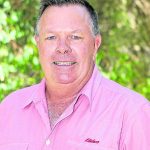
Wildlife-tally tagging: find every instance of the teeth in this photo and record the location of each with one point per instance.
(63, 63)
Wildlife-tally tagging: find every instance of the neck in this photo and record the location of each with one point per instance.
(64, 92)
(61, 94)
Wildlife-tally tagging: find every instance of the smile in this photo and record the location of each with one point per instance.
(64, 63)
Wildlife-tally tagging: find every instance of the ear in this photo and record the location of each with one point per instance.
(37, 39)
(97, 43)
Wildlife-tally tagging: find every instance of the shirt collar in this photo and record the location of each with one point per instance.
(91, 87)
(37, 95)
(89, 90)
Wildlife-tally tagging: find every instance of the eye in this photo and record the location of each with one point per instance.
(51, 37)
(76, 37)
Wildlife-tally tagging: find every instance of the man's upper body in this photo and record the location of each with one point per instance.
(103, 116)
(74, 107)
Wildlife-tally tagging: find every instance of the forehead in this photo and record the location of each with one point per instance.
(65, 16)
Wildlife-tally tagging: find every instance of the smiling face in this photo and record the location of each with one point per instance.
(66, 45)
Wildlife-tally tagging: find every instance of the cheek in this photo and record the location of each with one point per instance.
(47, 47)
(45, 51)
(44, 57)
(84, 52)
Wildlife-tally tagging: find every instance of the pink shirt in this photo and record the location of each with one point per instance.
(105, 116)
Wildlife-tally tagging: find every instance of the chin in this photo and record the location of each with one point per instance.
(64, 79)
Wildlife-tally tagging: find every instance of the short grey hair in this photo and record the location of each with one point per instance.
(83, 3)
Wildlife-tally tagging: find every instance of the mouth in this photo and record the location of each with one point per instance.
(64, 63)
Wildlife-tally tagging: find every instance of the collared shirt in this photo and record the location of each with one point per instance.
(104, 116)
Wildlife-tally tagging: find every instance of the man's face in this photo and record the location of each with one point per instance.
(66, 44)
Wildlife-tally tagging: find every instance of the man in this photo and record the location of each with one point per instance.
(74, 107)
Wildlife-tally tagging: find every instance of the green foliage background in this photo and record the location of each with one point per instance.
(124, 55)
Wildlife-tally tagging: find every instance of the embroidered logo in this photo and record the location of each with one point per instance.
(91, 141)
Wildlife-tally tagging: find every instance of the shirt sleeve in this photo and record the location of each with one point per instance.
(137, 133)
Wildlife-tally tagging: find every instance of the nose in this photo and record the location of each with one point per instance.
(63, 47)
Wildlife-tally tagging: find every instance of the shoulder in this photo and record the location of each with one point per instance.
(117, 89)
(120, 97)
(16, 98)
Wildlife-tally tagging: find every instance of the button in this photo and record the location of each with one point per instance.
(48, 142)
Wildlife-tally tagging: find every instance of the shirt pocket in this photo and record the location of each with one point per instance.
(74, 145)
(14, 146)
